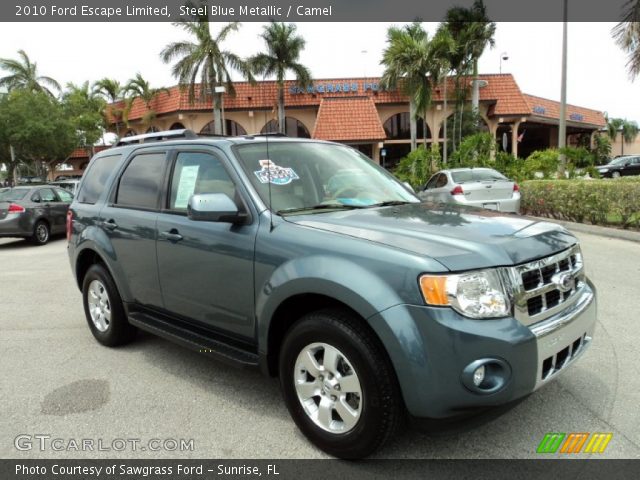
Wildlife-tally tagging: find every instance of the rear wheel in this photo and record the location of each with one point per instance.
(338, 384)
(615, 175)
(104, 310)
(41, 233)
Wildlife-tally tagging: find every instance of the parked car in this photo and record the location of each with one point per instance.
(71, 185)
(35, 212)
(368, 304)
(621, 166)
(475, 187)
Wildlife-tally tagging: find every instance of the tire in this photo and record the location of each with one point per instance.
(41, 233)
(615, 175)
(104, 310)
(317, 406)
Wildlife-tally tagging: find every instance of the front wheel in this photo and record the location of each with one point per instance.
(338, 384)
(41, 233)
(615, 175)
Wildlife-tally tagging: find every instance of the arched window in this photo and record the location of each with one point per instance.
(234, 129)
(177, 126)
(398, 127)
(293, 128)
(130, 133)
(152, 129)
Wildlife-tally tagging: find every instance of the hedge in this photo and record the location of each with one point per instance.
(600, 202)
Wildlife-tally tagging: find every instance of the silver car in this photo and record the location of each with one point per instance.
(476, 187)
(70, 185)
(35, 213)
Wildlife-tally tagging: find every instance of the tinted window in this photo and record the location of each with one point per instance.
(47, 195)
(476, 175)
(141, 182)
(432, 183)
(64, 195)
(197, 172)
(15, 194)
(95, 179)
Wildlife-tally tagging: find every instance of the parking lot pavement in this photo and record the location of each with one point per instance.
(57, 381)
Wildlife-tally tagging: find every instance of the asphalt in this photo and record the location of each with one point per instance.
(57, 381)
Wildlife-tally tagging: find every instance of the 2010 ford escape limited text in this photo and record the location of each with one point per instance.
(308, 261)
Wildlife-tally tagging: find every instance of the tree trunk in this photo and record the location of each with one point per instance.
(444, 126)
(281, 116)
(413, 127)
(475, 92)
(14, 166)
(217, 113)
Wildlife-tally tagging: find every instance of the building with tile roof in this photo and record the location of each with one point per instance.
(358, 112)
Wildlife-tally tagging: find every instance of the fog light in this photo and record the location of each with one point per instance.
(478, 376)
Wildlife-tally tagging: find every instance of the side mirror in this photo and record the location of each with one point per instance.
(214, 207)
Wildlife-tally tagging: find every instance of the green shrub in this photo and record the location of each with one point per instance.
(600, 202)
(475, 151)
(418, 166)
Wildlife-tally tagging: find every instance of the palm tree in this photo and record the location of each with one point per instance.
(283, 52)
(406, 66)
(23, 75)
(629, 130)
(86, 111)
(139, 88)
(627, 36)
(472, 31)
(111, 90)
(203, 64)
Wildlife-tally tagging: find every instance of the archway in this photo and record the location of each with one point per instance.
(234, 129)
(293, 128)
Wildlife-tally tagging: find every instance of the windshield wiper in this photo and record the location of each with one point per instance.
(322, 206)
(390, 203)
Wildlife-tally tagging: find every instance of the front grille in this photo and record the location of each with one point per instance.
(561, 359)
(547, 286)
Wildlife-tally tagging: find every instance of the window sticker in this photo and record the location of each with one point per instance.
(186, 185)
(274, 173)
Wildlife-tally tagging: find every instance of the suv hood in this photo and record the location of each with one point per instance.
(460, 238)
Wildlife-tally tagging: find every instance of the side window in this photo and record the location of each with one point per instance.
(47, 195)
(198, 172)
(442, 181)
(142, 181)
(432, 182)
(35, 197)
(95, 179)
(65, 196)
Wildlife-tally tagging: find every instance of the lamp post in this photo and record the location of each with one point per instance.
(503, 56)
(221, 90)
(562, 128)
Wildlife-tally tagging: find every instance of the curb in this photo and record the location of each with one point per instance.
(628, 235)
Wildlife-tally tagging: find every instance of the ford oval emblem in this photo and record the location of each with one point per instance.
(564, 281)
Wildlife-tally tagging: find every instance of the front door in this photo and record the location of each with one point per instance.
(205, 268)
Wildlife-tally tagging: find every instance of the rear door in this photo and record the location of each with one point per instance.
(129, 220)
(206, 268)
(46, 200)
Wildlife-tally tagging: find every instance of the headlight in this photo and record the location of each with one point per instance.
(478, 294)
(603, 170)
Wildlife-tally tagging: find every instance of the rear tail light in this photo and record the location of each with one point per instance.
(69, 224)
(457, 190)
(15, 208)
(516, 188)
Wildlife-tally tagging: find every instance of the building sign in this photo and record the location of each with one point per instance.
(539, 110)
(577, 117)
(338, 87)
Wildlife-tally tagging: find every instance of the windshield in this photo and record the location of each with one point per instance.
(305, 176)
(476, 175)
(13, 194)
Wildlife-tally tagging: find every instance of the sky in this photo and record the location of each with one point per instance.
(597, 78)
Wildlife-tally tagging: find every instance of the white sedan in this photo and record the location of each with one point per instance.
(476, 187)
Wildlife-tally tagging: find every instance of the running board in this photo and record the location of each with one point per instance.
(196, 341)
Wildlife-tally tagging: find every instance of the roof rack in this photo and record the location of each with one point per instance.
(266, 134)
(157, 137)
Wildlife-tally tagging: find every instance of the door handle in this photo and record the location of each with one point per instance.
(110, 224)
(172, 235)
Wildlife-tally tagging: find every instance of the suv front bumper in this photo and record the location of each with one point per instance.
(431, 347)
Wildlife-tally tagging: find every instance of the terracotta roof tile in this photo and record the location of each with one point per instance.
(543, 107)
(348, 119)
(86, 152)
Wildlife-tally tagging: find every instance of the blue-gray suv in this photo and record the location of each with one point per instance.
(370, 306)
